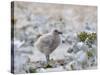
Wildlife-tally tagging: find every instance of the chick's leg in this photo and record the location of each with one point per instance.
(47, 58)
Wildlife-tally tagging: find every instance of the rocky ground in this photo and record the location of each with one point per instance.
(78, 48)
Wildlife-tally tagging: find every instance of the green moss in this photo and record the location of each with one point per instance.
(48, 66)
(89, 54)
(82, 36)
(90, 36)
(31, 70)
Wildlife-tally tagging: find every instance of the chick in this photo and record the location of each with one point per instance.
(47, 43)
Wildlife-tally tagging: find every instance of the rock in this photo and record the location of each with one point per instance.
(81, 56)
(70, 38)
(19, 62)
(69, 57)
(79, 46)
(73, 65)
(27, 50)
(18, 43)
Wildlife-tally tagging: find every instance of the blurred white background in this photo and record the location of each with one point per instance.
(5, 35)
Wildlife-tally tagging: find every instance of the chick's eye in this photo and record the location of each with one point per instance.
(55, 31)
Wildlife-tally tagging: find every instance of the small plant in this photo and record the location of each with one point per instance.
(83, 36)
(31, 70)
(89, 54)
(48, 66)
(90, 36)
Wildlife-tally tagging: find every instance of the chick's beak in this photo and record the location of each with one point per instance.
(59, 32)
